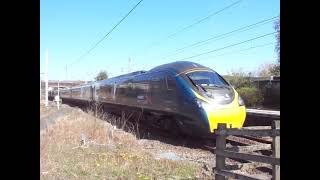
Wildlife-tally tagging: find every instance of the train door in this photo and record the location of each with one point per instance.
(130, 93)
(96, 92)
(141, 92)
(92, 89)
(157, 85)
(170, 96)
(114, 90)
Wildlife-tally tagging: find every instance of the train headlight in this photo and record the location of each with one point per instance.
(199, 103)
(206, 105)
(203, 104)
(240, 100)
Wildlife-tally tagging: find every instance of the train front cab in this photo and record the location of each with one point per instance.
(212, 112)
(232, 114)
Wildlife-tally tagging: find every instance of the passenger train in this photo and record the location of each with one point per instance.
(184, 96)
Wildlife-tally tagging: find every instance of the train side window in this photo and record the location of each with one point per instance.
(170, 83)
(76, 92)
(131, 90)
(103, 92)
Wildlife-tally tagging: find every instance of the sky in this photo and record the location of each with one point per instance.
(152, 34)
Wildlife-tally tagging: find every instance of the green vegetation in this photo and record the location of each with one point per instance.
(243, 84)
(251, 96)
(239, 79)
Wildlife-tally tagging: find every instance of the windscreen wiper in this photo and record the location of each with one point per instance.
(202, 88)
(196, 85)
(218, 86)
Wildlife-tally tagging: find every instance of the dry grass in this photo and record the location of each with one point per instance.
(106, 152)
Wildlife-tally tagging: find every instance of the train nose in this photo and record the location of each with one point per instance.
(234, 117)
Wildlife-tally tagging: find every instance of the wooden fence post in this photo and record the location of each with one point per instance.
(276, 151)
(220, 146)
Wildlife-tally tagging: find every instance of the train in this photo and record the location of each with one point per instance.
(180, 96)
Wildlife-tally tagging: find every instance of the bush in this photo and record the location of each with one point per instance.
(251, 96)
(239, 79)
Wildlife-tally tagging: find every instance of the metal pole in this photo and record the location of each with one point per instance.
(46, 76)
(58, 95)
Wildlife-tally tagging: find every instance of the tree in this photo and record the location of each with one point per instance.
(267, 70)
(101, 76)
(277, 28)
(275, 69)
(238, 78)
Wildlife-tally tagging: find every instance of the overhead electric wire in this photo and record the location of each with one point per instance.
(245, 28)
(105, 36)
(241, 50)
(199, 21)
(203, 19)
(227, 46)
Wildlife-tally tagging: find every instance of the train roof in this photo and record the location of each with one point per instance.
(123, 77)
(131, 74)
(175, 67)
(179, 67)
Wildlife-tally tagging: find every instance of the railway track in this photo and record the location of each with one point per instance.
(263, 113)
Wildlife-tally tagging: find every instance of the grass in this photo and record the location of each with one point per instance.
(115, 155)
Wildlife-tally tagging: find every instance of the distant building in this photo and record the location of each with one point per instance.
(53, 84)
(270, 87)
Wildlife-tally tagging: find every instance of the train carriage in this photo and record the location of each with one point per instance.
(191, 97)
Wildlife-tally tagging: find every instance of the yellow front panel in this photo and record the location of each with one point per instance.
(231, 116)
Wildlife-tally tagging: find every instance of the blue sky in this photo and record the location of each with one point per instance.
(68, 28)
